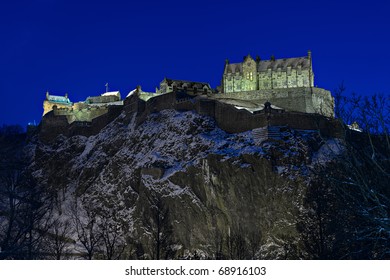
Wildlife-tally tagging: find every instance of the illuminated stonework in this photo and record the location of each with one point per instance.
(55, 101)
(267, 74)
(191, 87)
(84, 111)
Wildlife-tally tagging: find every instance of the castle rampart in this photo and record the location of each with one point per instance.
(302, 99)
(244, 102)
(227, 116)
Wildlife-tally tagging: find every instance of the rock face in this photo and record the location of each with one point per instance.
(177, 186)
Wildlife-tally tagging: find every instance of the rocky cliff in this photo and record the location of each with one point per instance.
(177, 186)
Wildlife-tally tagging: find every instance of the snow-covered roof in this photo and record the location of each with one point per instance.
(355, 127)
(116, 93)
(58, 99)
(131, 92)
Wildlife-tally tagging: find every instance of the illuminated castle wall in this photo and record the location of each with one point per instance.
(267, 74)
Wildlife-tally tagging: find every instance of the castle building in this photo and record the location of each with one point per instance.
(168, 85)
(260, 74)
(108, 97)
(83, 111)
(55, 101)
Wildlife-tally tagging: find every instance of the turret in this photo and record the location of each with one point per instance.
(139, 90)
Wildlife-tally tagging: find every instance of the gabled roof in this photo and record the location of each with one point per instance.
(294, 62)
(234, 68)
(264, 65)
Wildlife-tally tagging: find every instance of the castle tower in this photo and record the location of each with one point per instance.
(249, 71)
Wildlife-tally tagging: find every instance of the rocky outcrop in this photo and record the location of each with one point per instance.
(177, 186)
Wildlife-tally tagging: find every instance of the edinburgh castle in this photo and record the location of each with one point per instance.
(254, 93)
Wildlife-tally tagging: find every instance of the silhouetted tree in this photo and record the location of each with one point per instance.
(23, 216)
(86, 227)
(112, 236)
(161, 229)
(348, 201)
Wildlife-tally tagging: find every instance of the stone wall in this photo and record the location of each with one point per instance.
(81, 115)
(56, 123)
(227, 117)
(48, 106)
(102, 99)
(51, 126)
(233, 120)
(306, 100)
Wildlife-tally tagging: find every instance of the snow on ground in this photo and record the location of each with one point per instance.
(331, 149)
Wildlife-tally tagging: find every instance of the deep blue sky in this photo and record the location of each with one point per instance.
(78, 46)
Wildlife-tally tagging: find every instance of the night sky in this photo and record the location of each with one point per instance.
(79, 46)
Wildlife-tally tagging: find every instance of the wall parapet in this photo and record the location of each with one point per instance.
(227, 116)
(302, 99)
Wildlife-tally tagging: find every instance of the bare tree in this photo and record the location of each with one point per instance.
(23, 215)
(348, 200)
(86, 227)
(58, 238)
(161, 229)
(112, 237)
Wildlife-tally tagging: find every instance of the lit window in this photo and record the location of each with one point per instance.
(251, 74)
